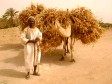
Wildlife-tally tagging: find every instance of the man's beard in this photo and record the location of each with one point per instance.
(32, 25)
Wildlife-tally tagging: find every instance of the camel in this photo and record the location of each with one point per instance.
(66, 34)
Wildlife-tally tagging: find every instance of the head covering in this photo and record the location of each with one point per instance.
(31, 17)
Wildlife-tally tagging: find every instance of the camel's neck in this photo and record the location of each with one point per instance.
(65, 32)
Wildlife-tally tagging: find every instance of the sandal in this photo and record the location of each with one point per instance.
(28, 75)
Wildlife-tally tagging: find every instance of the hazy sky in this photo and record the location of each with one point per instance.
(102, 9)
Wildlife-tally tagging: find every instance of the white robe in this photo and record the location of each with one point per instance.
(31, 57)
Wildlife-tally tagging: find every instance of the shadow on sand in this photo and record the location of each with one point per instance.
(12, 73)
(17, 60)
(15, 47)
(53, 57)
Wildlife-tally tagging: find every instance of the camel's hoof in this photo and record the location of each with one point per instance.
(36, 74)
(62, 58)
(72, 60)
(68, 51)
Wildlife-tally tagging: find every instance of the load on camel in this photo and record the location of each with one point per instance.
(61, 25)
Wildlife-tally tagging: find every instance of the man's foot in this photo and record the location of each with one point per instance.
(36, 74)
(27, 75)
(72, 60)
(62, 58)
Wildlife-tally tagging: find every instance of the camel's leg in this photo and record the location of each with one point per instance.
(71, 48)
(67, 50)
(64, 50)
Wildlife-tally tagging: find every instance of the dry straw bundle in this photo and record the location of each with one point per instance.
(46, 19)
(50, 40)
(84, 26)
(63, 18)
(29, 11)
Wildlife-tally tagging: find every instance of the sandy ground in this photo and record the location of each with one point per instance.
(92, 66)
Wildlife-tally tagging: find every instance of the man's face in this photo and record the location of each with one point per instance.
(31, 22)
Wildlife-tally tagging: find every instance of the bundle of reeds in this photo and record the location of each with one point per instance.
(23, 18)
(85, 27)
(51, 40)
(29, 11)
(40, 8)
(46, 19)
(63, 17)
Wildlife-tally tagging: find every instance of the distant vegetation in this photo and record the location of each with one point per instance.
(9, 19)
(106, 25)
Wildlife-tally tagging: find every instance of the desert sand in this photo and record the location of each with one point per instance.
(92, 66)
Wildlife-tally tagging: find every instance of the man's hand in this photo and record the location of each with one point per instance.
(32, 41)
(37, 39)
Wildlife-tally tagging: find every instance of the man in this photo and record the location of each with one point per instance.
(31, 37)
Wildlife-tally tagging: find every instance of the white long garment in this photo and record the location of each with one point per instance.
(31, 34)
